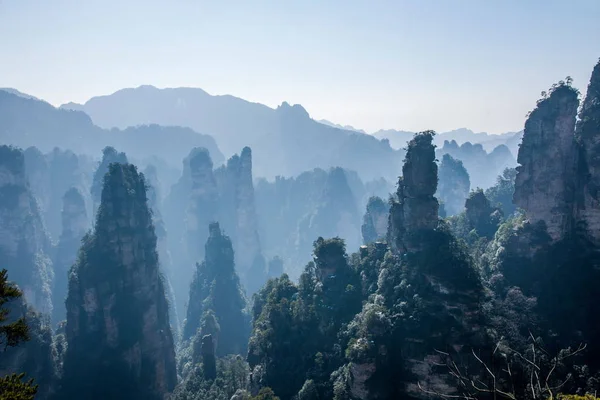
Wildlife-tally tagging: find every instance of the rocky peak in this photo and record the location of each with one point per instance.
(415, 208)
(117, 314)
(454, 184)
(109, 155)
(216, 287)
(545, 185)
(75, 224)
(588, 135)
(375, 220)
(24, 244)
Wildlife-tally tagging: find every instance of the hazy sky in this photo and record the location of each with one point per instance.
(411, 65)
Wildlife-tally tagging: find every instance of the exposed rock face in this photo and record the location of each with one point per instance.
(24, 244)
(119, 341)
(50, 176)
(239, 192)
(375, 220)
(588, 134)
(209, 365)
(75, 224)
(546, 177)
(415, 209)
(202, 206)
(109, 155)
(454, 184)
(216, 287)
(164, 255)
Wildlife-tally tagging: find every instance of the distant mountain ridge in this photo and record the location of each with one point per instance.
(285, 141)
(26, 121)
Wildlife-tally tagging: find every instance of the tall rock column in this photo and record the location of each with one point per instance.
(24, 244)
(415, 208)
(546, 182)
(246, 230)
(74, 226)
(109, 155)
(119, 342)
(588, 134)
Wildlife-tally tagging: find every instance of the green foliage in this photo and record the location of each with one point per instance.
(232, 376)
(216, 287)
(11, 334)
(12, 387)
(265, 394)
(501, 194)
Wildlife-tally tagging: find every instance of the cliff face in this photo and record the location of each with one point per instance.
(109, 155)
(557, 181)
(216, 287)
(454, 184)
(415, 208)
(202, 204)
(119, 341)
(545, 185)
(75, 224)
(237, 191)
(24, 244)
(50, 176)
(588, 134)
(375, 220)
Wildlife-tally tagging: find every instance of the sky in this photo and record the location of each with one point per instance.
(402, 64)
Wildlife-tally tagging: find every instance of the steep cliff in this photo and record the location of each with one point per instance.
(375, 220)
(50, 176)
(119, 341)
(75, 225)
(546, 181)
(24, 244)
(109, 155)
(237, 197)
(588, 135)
(427, 298)
(216, 287)
(454, 184)
(415, 209)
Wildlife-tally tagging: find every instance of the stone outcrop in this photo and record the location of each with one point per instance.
(237, 196)
(24, 243)
(558, 177)
(454, 185)
(546, 179)
(209, 364)
(75, 225)
(50, 176)
(109, 155)
(119, 340)
(375, 220)
(202, 204)
(587, 133)
(216, 287)
(415, 209)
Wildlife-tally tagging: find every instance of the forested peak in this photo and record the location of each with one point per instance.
(109, 155)
(12, 159)
(481, 216)
(124, 195)
(330, 256)
(450, 163)
(73, 196)
(375, 220)
(199, 159)
(218, 246)
(419, 172)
